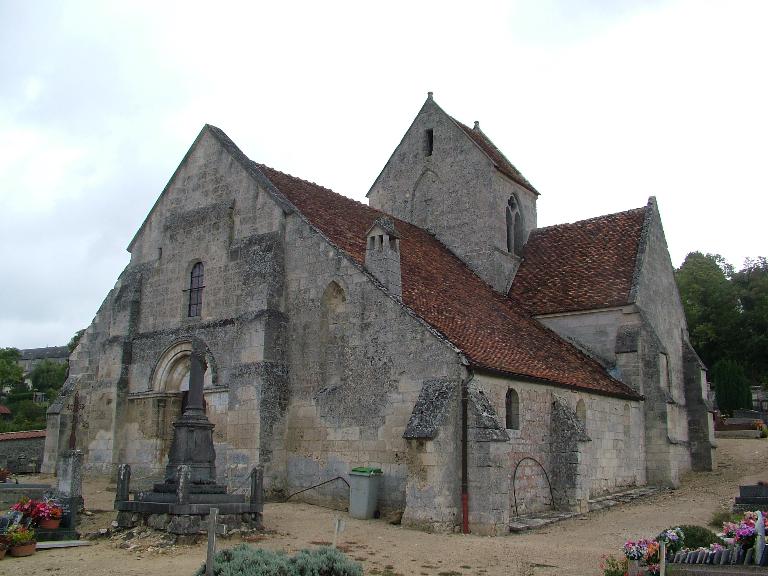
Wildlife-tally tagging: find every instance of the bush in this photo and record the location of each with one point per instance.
(722, 516)
(612, 566)
(245, 560)
(731, 386)
(699, 537)
(324, 562)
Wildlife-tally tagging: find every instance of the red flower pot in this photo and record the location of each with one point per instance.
(50, 523)
(23, 549)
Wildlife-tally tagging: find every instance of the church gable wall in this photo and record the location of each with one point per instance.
(357, 361)
(211, 212)
(454, 192)
(658, 299)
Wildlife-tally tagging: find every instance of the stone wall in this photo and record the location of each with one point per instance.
(132, 362)
(357, 362)
(456, 192)
(312, 368)
(20, 453)
(612, 459)
(643, 345)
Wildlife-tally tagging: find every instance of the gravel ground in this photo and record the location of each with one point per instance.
(573, 546)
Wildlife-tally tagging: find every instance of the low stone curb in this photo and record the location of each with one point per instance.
(533, 521)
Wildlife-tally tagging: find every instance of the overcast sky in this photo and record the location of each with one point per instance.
(600, 104)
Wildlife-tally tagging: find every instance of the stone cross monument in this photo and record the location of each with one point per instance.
(193, 433)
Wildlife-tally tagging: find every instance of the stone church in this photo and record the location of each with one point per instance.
(489, 367)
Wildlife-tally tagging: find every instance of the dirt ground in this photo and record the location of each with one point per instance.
(574, 546)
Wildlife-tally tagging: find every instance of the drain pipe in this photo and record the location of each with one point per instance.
(464, 457)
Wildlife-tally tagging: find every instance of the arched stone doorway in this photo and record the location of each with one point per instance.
(170, 381)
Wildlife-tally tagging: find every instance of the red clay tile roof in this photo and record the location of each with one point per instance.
(493, 331)
(581, 266)
(499, 160)
(22, 435)
(4, 409)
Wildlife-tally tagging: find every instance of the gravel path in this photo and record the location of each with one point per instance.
(570, 547)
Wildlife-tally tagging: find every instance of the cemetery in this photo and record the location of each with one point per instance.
(572, 546)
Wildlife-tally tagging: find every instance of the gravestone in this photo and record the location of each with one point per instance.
(751, 497)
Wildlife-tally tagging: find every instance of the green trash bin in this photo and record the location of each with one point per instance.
(364, 486)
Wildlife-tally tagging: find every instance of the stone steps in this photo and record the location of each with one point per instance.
(540, 519)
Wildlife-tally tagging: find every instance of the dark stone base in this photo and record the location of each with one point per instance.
(186, 524)
(55, 535)
(194, 498)
(171, 487)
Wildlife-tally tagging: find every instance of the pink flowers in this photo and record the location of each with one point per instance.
(637, 550)
(37, 509)
(744, 533)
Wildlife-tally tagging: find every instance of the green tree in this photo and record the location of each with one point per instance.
(731, 386)
(751, 283)
(48, 377)
(11, 374)
(26, 416)
(72, 344)
(711, 305)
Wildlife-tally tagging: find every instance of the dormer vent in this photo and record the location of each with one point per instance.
(382, 254)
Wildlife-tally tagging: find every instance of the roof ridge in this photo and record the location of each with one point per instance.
(316, 185)
(587, 220)
(502, 163)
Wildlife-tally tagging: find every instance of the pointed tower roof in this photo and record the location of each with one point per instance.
(479, 139)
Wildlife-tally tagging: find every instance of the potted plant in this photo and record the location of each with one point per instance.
(22, 541)
(5, 543)
(48, 515)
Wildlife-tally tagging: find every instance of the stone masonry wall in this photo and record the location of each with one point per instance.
(594, 331)
(212, 212)
(455, 192)
(22, 456)
(357, 363)
(662, 312)
(615, 452)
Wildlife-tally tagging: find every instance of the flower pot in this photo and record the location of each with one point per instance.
(23, 549)
(2, 553)
(50, 523)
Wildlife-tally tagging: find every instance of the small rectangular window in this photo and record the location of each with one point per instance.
(429, 141)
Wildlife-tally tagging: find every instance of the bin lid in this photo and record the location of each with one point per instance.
(365, 471)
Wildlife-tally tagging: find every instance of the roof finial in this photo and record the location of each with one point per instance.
(477, 125)
(429, 95)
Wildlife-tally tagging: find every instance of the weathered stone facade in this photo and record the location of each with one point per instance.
(326, 349)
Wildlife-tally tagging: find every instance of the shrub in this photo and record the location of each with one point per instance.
(722, 516)
(324, 562)
(245, 560)
(699, 537)
(612, 566)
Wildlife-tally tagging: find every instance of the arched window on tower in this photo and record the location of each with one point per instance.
(196, 290)
(512, 406)
(515, 229)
